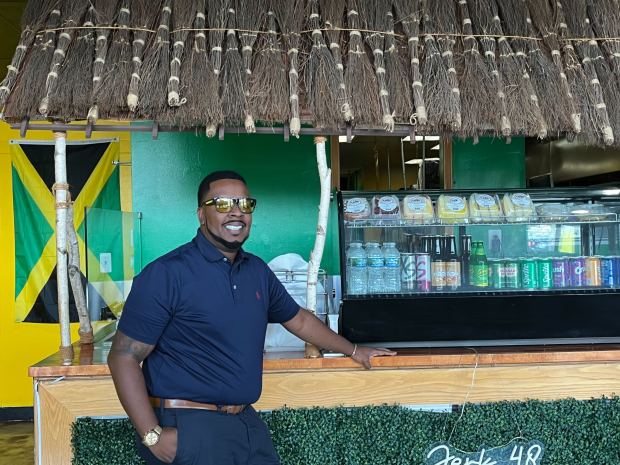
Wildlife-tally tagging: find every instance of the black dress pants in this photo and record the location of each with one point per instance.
(206, 437)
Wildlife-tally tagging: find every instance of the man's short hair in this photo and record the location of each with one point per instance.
(205, 184)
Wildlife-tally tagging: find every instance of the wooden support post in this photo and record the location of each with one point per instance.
(61, 189)
(321, 233)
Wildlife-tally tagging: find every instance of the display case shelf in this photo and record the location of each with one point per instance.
(583, 239)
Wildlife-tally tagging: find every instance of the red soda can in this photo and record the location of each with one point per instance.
(423, 271)
(577, 267)
(593, 272)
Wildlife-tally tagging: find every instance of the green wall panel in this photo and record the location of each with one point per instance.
(282, 175)
(491, 163)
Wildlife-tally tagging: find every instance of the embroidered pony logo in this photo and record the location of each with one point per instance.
(258, 295)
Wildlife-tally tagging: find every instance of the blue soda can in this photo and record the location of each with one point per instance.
(609, 271)
(577, 266)
(561, 273)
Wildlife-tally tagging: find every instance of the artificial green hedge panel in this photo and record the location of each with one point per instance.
(573, 433)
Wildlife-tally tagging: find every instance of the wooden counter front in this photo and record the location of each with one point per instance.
(414, 376)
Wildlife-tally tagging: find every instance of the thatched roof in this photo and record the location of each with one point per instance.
(464, 67)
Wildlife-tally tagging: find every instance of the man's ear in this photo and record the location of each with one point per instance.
(201, 216)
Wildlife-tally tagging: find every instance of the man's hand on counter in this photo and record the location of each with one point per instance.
(363, 355)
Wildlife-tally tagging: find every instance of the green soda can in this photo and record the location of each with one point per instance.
(511, 273)
(529, 273)
(497, 274)
(545, 273)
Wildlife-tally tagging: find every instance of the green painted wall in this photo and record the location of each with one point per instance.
(282, 175)
(491, 163)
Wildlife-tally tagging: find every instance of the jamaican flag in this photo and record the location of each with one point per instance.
(94, 182)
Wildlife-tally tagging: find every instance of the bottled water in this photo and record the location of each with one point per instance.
(376, 264)
(357, 269)
(391, 274)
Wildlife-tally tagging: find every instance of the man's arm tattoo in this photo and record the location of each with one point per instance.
(124, 345)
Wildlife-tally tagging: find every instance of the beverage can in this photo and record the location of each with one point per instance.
(560, 273)
(511, 274)
(609, 271)
(545, 273)
(529, 273)
(423, 272)
(593, 271)
(408, 272)
(577, 271)
(497, 274)
(453, 274)
(438, 273)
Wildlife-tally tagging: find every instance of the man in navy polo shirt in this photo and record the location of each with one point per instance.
(197, 319)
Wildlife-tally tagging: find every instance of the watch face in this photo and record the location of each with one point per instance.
(151, 438)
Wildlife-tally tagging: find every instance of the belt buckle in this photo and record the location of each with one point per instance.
(222, 408)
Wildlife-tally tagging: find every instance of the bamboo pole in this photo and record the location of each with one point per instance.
(61, 189)
(321, 233)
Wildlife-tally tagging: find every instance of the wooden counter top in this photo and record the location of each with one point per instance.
(91, 360)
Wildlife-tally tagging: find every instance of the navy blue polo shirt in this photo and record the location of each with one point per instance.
(207, 318)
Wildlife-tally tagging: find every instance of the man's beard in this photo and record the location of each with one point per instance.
(234, 245)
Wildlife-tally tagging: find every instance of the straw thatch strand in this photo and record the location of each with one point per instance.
(547, 23)
(513, 24)
(141, 18)
(199, 82)
(604, 17)
(33, 18)
(30, 86)
(440, 98)
(321, 77)
(105, 14)
(373, 14)
(216, 16)
(290, 16)
(602, 83)
(484, 24)
(359, 76)
(71, 98)
(332, 12)
(408, 13)
(251, 16)
(234, 101)
(478, 86)
(545, 77)
(397, 74)
(155, 69)
(269, 82)
(183, 14)
(72, 13)
(443, 12)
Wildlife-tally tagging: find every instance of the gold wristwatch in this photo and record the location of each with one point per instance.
(151, 437)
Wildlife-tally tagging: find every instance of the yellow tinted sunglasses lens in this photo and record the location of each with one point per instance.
(247, 205)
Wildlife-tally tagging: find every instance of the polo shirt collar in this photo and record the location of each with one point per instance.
(210, 252)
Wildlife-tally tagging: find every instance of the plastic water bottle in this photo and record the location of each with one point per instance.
(357, 269)
(376, 265)
(391, 274)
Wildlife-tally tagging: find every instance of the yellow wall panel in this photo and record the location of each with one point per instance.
(23, 344)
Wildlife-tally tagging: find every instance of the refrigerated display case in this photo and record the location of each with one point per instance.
(480, 267)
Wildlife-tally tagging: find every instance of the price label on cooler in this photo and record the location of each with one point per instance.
(484, 200)
(416, 203)
(455, 204)
(356, 205)
(521, 200)
(388, 203)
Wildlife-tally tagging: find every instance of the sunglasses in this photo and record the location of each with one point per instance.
(226, 204)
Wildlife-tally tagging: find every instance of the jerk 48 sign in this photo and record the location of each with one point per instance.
(515, 453)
